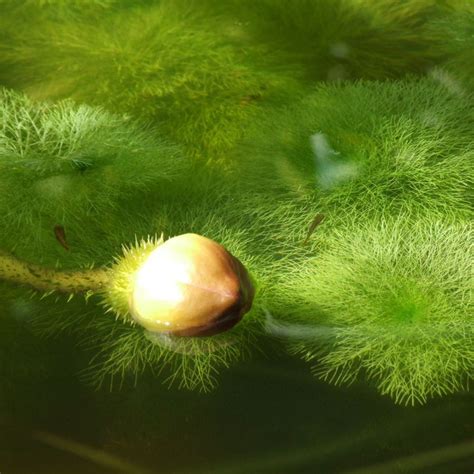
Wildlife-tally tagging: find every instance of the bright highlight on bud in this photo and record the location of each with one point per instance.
(190, 286)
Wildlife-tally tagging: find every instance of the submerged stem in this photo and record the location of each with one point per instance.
(17, 271)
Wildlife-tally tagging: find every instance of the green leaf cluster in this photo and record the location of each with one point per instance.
(243, 121)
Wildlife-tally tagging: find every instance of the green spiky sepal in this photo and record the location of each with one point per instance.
(116, 294)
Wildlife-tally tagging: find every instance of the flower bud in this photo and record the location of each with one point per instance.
(190, 286)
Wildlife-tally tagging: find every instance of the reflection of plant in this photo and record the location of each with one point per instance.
(398, 296)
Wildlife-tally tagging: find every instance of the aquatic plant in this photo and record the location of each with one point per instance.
(143, 341)
(122, 352)
(388, 301)
(342, 39)
(457, 23)
(349, 203)
(78, 167)
(57, 3)
(167, 66)
(369, 148)
(94, 154)
(69, 165)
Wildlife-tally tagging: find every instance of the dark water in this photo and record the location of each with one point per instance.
(265, 417)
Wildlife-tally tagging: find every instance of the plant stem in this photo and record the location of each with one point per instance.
(17, 271)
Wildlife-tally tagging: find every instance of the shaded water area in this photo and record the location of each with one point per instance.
(265, 417)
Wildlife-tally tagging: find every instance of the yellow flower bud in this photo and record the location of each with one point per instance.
(190, 286)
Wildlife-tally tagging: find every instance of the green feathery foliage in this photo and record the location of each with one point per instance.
(70, 165)
(120, 350)
(381, 289)
(100, 232)
(389, 301)
(162, 62)
(370, 147)
(267, 232)
(257, 232)
(457, 23)
(98, 155)
(57, 3)
(125, 352)
(341, 39)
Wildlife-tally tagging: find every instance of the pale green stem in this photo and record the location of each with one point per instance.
(44, 279)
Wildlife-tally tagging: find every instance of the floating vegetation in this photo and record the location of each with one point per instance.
(328, 145)
(167, 66)
(397, 296)
(370, 148)
(70, 165)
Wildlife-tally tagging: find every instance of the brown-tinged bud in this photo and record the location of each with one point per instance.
(190, 286)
